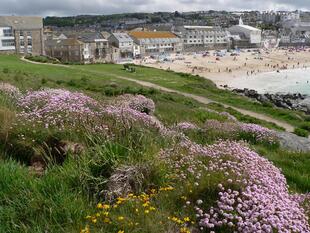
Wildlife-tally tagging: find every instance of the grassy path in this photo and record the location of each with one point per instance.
(203, 100)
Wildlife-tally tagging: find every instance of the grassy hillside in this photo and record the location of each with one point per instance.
(84, 151)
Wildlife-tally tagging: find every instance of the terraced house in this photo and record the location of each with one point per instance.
(196, 38)
(123, 43)
(68, 50)
(156, 42)
(21, 35)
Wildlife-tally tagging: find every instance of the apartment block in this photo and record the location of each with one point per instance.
(156, 42)
(21, 35)
(202, 37)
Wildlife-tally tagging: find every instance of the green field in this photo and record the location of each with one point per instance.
(69, 190)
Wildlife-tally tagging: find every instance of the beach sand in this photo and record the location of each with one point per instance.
(224, 70)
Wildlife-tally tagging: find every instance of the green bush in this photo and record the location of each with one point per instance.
(301, 132)
(305, 126)
(5, 70)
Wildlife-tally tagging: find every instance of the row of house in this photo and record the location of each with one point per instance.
(24, 35)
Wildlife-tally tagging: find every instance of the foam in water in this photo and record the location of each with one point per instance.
(286, 81)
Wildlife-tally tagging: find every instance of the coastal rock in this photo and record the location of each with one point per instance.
(305, 104)
(293, 142)
(294, 101)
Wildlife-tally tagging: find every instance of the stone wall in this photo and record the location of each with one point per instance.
(37, 42)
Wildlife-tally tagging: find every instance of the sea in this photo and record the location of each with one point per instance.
(284, 81)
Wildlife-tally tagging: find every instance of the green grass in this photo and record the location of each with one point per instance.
(198, 86)
(53, 203)
(294, 166)
(61, 199)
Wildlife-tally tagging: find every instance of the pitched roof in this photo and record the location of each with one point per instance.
(122, 37)
(21, 22)
(90, 36)
(152, 35)
(248, 27)
(198, 27)
(65, 42)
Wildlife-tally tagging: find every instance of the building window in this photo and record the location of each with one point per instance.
(22, 43)
(8, 43)
(29, 42)
(7, 32)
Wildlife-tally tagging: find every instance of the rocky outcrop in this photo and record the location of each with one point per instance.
(289, 101)
(293, 142)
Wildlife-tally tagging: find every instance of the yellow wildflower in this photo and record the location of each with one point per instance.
(187, 219)
(85, 230)
(184, 230)
(146, 204)
(106, 220)
(120, 218)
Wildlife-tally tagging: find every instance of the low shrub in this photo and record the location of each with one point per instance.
(301, 132)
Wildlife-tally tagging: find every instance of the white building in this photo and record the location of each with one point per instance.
(252, 35)
(295, 23)
(125, 44)
(153, 42)
(203, 37)
(136, 50)
(7, 39)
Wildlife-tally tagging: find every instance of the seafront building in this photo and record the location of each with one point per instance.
(123, 43)
(245, 36)
(21, 35)
(156, 43)
(197, 38)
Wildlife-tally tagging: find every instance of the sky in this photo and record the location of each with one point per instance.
(78, 7)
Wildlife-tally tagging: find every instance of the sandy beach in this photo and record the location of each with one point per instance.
(227, 69)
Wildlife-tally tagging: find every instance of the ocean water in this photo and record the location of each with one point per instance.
(287, 81)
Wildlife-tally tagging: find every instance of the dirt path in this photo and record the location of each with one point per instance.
(203, 100)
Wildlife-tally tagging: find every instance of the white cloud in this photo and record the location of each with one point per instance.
(75, 7)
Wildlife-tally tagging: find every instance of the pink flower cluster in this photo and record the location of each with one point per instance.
(10, 90)
(226, 127)
(252, 197)
(127, 116)
(137, 102)
(236, 129)
(260, 133)
(60, 108)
